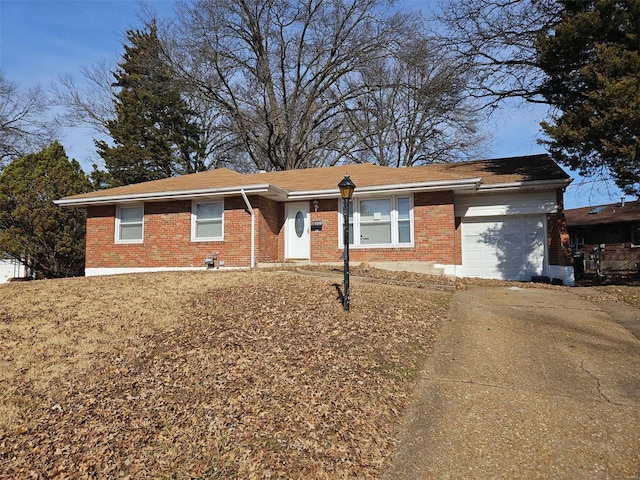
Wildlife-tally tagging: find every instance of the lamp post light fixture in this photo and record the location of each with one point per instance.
(346, 187)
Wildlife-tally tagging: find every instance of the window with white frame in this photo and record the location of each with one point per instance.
(207, 221)
(379, 222)
(129, 224)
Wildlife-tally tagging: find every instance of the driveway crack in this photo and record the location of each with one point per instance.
(510, 388)
(595, 377)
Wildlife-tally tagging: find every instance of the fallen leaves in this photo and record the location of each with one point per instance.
(207, 375)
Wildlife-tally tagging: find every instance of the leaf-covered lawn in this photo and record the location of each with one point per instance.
(207, 375)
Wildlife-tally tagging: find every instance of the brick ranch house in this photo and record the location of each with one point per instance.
(500, 218)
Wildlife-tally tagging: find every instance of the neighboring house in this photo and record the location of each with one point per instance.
(10, 268)
(616, 226)
(499, 219)
(613, 224)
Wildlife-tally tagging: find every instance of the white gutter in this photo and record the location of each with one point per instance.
(269, 190)
(253, 228)
(169, 195)
(467, 183)
(530, 184)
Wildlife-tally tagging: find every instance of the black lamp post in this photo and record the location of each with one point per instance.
(346, 187)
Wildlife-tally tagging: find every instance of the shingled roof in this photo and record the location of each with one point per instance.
(318, 182)
(603, 214)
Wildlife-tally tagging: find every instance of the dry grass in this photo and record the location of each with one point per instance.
(206, 375)
(625, 293)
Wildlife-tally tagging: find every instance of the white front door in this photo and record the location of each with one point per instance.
(297, 227)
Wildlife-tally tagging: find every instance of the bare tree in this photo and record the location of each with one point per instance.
(504, 43)
(285, 84)
(24, 127)
(415, 109)
(220, 147)
(281, 71)
(90, 102)
(497, 40)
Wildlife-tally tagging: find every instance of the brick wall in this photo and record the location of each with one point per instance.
(436, 235)
(269, 221)
(167, 238)
(167, 235)
(558, 240)
(100, 235)
(324, 243)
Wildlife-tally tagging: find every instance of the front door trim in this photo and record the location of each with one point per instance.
(297, 231)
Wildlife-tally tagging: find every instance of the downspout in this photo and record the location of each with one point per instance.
(253, 227)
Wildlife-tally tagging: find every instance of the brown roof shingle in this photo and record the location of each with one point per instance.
(490, 172)
(603, 214)
(502, 170)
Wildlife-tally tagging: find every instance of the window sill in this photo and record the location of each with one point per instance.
(201, 240)
(378, 247)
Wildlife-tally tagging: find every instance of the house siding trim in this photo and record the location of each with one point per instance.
(513, 203)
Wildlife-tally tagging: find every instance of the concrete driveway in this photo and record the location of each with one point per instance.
(527, 383)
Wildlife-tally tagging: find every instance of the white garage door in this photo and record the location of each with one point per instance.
(505, 248)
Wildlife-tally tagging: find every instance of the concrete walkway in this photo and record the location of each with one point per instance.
(527, 383)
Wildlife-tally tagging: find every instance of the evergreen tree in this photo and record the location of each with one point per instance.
(153, 133)
(50, 240)
(592, 62)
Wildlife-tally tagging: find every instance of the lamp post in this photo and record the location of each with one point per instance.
(346, 187)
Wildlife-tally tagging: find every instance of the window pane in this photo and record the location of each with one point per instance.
(206, 211)
(130, 223)
(131, 215)
(404, 232)
(380, 222)
(375, 233)
(375, 210)
(403, 208)
(208, 220)
(209, 229)
(131, 232)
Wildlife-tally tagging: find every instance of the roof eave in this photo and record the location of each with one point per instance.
(527, 184)
(268, 190)
(464, 184)
(280, 194)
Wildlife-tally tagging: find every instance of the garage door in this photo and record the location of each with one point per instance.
(505, 248)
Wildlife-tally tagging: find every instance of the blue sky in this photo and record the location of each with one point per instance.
(40, 40)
